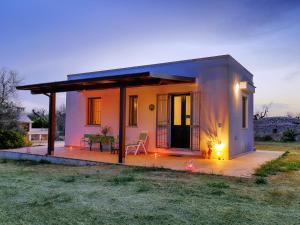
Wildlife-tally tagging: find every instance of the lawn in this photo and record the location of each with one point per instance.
(32, 193)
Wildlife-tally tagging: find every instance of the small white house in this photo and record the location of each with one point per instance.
(186, 107)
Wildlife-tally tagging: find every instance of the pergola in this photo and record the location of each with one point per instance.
(121, 82)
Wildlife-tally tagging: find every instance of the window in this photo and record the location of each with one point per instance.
(177, 110)
(133, 104)
(244, 112)
(94, 111)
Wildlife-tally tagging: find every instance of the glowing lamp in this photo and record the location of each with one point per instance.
(219, 148)
(155, 155)
(237, 87)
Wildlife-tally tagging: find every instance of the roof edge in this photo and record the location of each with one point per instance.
(155, 64)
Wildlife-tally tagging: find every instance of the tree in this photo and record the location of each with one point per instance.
(9, 110)
(263, 112)
(8, 82)
(39, 117)
(60, 121)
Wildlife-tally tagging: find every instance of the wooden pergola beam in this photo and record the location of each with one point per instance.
(122, 121)
(52, 123)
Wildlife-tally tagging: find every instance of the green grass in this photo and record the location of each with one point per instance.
(34, 193)
(282, 164)
(289, 161)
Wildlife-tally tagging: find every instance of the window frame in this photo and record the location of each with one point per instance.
(245, 111)
(89, 120)
(132, 122)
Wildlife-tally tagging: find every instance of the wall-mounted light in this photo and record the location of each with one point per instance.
(237, 87)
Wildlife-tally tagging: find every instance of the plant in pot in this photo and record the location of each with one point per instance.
(106, 140)
(212, 140)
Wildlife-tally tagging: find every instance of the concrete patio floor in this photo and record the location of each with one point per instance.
(243, 166)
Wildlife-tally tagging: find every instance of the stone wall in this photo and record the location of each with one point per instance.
(275, 126)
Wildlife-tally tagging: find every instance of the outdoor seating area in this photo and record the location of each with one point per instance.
(111, 143)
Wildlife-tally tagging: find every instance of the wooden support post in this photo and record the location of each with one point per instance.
(52, 123)
(122, 118)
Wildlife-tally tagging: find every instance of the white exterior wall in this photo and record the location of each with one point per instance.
(214, 115)
(241, 139)
(220, 107)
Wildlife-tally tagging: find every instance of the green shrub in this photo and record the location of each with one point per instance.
(289, 135)
(264, 138)
(11, 139)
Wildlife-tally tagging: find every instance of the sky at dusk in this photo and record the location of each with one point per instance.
(46, 40)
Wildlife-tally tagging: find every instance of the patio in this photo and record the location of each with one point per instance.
(243, 166)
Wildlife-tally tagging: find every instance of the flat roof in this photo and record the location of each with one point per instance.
(169, 67)
(128, 80)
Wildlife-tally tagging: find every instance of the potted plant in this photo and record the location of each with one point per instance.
(210, 146)
(106, 140)
(212, 140)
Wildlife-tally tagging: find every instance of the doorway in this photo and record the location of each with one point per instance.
(180, 120)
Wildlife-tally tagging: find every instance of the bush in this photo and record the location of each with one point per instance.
(11, 139)
(264, 138)
(289, 135)
(27, 143)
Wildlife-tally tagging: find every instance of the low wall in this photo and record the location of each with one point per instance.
(50, 159)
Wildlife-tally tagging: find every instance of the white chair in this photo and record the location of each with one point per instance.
(140, 145)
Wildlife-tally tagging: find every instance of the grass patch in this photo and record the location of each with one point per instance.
(68, 179)
(50, 199)
(55, 194)
(143, 187)
(281, 197)
(261, 180)
(140, 169)
(282, 164)
(3, 160)
(219, 185)
(119, 180)
(217, 192)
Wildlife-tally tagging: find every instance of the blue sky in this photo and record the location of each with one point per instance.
(46, 40)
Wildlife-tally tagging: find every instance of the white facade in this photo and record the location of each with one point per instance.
(221, 82)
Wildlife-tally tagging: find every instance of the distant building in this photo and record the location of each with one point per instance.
(35, 135)
(274, 127)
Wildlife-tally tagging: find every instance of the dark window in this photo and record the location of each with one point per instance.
(244, 111)
(94, 111)
(275, 131)
(133, 104)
